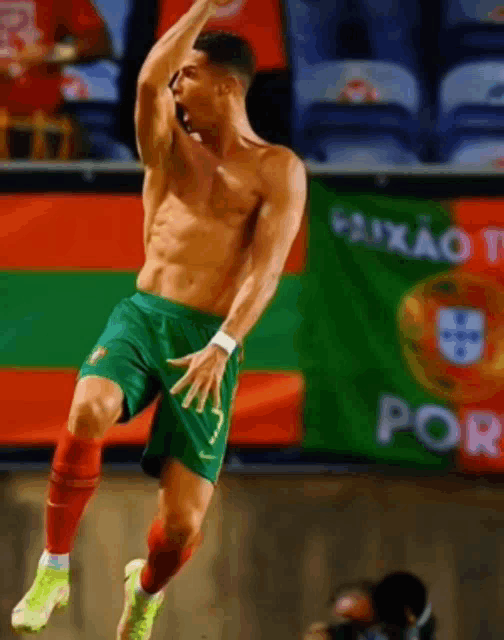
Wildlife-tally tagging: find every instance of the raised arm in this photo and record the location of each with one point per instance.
(155, 114)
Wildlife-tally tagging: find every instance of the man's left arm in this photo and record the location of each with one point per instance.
(277, 226)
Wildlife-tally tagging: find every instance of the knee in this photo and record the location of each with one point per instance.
(90, 417)
(183, 527)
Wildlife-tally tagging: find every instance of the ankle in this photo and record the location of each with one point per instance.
(54, 560)
(146, 595)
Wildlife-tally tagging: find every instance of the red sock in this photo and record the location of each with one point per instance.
(75, 473)
(165, 558)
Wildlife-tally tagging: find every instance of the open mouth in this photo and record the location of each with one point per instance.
(183, 117)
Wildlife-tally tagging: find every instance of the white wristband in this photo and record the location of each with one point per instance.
(224, 341)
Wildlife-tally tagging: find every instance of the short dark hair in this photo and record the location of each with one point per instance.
(229, 51)
(396, 591)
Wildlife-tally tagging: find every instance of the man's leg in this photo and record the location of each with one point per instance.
(75, 472)
(173, 537)
(184, 498)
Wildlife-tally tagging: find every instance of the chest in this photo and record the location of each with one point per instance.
(235, 190)
(228, 190)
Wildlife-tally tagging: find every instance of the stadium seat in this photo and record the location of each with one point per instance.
(470, 125)
(357, 112)
(469, 28)
(311, 26)
(381, 30)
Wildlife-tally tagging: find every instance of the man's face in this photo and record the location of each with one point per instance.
(195, 90)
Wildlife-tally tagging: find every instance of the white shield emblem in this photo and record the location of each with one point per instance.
(461, 334)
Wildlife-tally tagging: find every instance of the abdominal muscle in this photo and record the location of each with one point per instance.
(192, 258)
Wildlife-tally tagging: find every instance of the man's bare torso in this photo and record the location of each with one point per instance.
(200, 213)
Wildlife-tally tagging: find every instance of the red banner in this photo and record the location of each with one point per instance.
(267, 411)
(482, 423)
(67, 232)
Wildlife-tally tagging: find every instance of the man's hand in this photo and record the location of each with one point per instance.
(205, 372)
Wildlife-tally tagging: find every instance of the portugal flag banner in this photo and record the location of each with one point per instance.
(403, 336)
(66, 261)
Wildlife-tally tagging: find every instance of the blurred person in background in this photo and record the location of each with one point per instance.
(396, 608)
(37, 38)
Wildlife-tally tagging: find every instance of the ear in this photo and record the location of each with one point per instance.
(228, 85)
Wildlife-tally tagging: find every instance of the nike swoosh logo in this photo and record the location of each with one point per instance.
(204, 455)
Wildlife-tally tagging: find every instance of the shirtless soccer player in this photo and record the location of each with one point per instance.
(222, 208)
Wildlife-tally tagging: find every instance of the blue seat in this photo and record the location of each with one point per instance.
(470, 27)
(388, 31)
(311, 25)
(485, 153)
(356, 112)
(470, 126)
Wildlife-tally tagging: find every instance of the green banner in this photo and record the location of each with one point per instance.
(366, 252)
(52, 319)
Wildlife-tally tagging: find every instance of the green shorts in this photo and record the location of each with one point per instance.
(141, 333)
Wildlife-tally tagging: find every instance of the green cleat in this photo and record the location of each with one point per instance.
(139, 613)
(50, 591)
